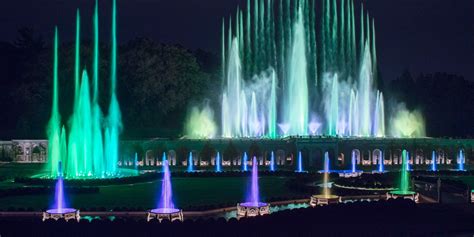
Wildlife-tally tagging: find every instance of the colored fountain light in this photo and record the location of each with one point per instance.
(353, 172)
(276, 57)
(253, 206)
(59, 210)
(166, 209)
(272, 162)
(300, 163)
(218, 162)
(326, 164)
(404, 187)
(190, 162)
(244, 162)
(326, 197)
(92, 146)
(461, 160)
(433, 161)
(381, 163)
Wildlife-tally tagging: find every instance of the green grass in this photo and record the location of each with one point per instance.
(186, 192)
(12, 170)
(469, 180)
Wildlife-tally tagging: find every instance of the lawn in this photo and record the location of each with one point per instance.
(186, 192)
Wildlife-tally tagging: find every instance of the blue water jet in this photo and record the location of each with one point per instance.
(300, 162)
(461, 160)
(272, 162)
(218, 162)
(244, 162)
(326, 162)
(433, 161)
(381, 164)
(353, 161)
(190, 162)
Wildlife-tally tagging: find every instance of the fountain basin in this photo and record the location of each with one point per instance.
(249, 209)
(350, 173)
(161, 214)
(322, 199)
(64, 213)
(414, 196)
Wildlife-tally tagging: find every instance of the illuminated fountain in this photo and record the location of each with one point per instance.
(287, 71)
(92, 148)
(218, 162)
(380, 166)
(166, 209)
(300, 163)
(353, 172)
(404, 187)
(326, 197)
(272, 161)
(253, 206)
(433, 161)
(59, 210)
(244, 162)
(461, 160)
(190, 162)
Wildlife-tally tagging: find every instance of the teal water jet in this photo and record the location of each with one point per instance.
(88, 147)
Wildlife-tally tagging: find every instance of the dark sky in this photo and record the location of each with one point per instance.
(421, 35)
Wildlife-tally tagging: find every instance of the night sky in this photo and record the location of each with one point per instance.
(419, 35)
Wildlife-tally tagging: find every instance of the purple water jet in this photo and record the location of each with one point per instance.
(166, 209)
(59, 209)
(253, 206)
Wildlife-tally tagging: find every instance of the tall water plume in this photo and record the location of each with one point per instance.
(296, 93)
(166, 198)
(84, 153)
(253, 195)
(54, 125)
(324, 76)
(404, 174)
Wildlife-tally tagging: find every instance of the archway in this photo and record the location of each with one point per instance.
(356, 154)
(172, 157)
(366, 157)
(280, 157)
(419, 157)
(377, 156)
(149, 158)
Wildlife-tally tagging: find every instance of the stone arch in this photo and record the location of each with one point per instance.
(419, 157)
(340, 160)
(377, 155)
(366, 157)
(316, 157)
(280, 157)
(172, 157)
(195, 154)
(149, 158)
(305, 157)
(441, 156)
(357, 155)
(397, 157)
(387, 158)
